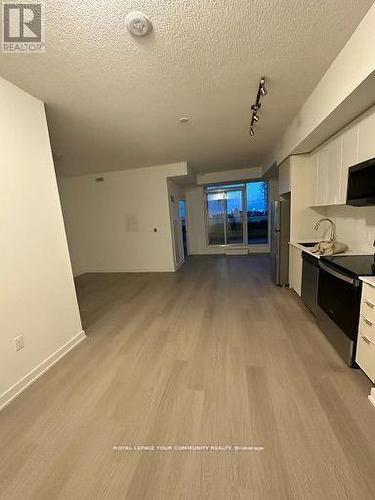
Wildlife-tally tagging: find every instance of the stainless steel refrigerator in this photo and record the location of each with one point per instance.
(280, 236)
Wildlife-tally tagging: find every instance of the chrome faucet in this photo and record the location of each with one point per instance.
(333, 227)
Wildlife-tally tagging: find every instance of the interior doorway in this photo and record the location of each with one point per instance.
(182, 212)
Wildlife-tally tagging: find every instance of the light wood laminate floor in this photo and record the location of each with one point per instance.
(214, 354)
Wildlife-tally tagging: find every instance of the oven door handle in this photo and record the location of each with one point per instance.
(338, 275)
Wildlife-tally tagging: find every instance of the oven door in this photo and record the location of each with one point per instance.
(339, 296)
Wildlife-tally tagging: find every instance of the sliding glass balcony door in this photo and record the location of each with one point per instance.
(225, 216)
(237, 213)
(216, 218)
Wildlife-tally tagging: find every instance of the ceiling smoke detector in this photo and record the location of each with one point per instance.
(138, 24)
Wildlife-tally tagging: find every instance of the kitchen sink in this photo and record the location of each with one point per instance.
(308, 245)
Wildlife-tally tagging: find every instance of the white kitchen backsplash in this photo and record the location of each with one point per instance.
(354, 226)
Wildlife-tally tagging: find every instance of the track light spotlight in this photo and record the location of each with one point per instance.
(262, 91)
(262, 86)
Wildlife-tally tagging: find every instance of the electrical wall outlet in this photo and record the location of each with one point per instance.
(19, 343)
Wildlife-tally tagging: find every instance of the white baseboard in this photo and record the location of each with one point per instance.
(259, 249)
(237, 251)
(126, 270)
(142, 270)
(223, 250)
(9, 395)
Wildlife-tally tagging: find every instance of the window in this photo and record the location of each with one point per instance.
(237, 213)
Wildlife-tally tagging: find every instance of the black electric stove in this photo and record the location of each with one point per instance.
(352, 265)
(339, 299)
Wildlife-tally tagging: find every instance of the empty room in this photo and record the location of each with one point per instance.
(187, 234)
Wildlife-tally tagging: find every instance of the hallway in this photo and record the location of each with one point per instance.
(214, 354)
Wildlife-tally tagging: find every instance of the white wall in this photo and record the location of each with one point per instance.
(195, 214)
(37, 295)
(239, 174)
(355, 226)
(110, 224)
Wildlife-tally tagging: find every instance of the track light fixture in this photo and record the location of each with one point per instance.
(262, 91)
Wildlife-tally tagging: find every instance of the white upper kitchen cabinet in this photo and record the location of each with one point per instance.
(313, 168)
(334, 171)
(322, 166)
(349, 158)
(331, 161)
(366, 138)
(313, 165)
(328, 163)
(331, 181)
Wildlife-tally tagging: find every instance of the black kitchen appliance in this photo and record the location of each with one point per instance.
(310, 281)
(361, 184)
(339, 297)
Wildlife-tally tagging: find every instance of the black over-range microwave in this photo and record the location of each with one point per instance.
(361, 184)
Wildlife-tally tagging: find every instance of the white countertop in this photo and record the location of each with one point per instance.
(308, 250)
(304, 249)
(368, 279)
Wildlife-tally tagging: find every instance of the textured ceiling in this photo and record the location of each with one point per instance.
(114, 101)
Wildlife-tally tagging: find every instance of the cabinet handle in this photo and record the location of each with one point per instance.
(367, 321)
(366, 340)
(370, 304)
